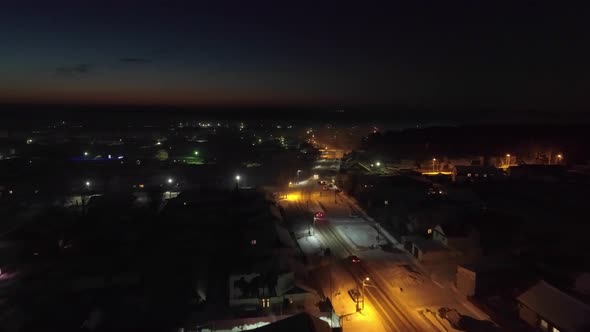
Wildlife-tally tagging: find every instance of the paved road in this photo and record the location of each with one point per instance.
(394, 315)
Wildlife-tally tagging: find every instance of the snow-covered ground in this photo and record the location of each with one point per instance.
(361, 235)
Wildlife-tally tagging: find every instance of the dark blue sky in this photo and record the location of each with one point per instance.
(439, 53)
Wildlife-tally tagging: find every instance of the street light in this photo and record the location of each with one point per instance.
(363, 292)
(433, 162)
(298, 171)
(378, 164)
(237, 181)
(559, 158)
(87, 183)
(170, 180)
(196, 153)
(85, 153)
(508, 159)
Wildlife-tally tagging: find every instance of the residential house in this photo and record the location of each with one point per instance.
(476, 173)
(426, 250)
(546, 308)
(302, 322)
(489, 277)
(541, 173)
(458, 236)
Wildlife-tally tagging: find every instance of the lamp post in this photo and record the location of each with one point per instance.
(237, 181)
(508, 159)
(433, 163)
(298, 171)
(365, 284)
(559, 158)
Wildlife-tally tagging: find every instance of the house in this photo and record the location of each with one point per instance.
(302, 322)
(476, 173)
(547, 308)
(425, 250)
(265, 291)
(541, 173)
(457, 236)
(489, 277)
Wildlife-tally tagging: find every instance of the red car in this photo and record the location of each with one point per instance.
(319, 215)
(354, 259)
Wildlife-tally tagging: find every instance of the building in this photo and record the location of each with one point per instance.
(457, 236)
(547, 308)
(302, 322)
(425, 250)
(540, 173)
(489, 277)
(462, 174)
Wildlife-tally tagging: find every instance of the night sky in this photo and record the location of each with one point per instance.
(507, 54)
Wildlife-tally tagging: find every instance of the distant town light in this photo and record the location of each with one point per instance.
(559, 156)
(170, 180)
(378, 164)
(158, 143)
(508, 155)
(87, 183)
(237, 178)
(196, 153)
(85, 153)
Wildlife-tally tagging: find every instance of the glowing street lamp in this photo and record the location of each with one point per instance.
(378, 164)
(170, 180)
(559, 158)
(196, 153)
(363, 292)
(87, 183)
(85, 153)
(433, 163)
(508, 159)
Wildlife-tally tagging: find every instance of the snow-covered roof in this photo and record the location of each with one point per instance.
(557, 307)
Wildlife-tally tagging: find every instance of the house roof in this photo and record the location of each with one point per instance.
(302, 322)
(426, 245)
(557, 307)
(455, 229)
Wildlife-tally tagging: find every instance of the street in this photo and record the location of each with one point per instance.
(393, 303)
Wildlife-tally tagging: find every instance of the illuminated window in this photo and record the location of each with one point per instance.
(544, 325)
(253, 242)
(430, 231)
(469, 175)
(265, 303)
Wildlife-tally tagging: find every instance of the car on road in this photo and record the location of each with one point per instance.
(354, 259)
(354, 295)
(322, 183)
(319, 215)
